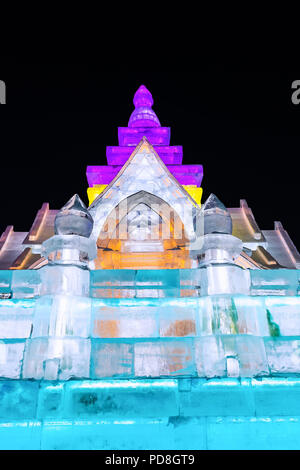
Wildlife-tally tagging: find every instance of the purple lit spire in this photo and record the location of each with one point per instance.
(143, 122)
(143, 115)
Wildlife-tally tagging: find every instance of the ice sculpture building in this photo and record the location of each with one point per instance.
(148, 321)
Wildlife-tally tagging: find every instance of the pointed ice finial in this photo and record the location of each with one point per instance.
(216, 217)
(74, 219)
(214, 203)
(143, 97)
(143, 115)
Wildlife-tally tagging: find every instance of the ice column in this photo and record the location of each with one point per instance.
(219, 273)
(233, 345)
(59, 347)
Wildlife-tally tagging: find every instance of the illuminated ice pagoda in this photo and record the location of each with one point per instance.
(148, 321)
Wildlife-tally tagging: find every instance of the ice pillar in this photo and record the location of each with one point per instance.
(59, 346)
(219, 249)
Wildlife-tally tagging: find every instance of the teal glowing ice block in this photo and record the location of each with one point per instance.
(274, 282)
(151, 414)
(25, 283)
(5, 284)
(136, 283)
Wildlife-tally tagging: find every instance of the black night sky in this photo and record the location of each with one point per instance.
(234, 117)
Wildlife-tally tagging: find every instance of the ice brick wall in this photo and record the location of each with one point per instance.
(60, 337)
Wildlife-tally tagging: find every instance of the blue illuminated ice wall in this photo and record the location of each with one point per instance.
(160, 368)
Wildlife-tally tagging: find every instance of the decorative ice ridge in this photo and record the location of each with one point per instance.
(143, 115)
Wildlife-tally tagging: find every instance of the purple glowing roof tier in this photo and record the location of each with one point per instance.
(185, 174)
(133, 135)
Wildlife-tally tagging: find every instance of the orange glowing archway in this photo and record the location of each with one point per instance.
(142, 232)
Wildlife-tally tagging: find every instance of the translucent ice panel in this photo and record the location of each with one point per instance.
(274, 282)
(18, 399)
(26, 283)
(284, 312)
(217, 397)
(251, 315)
(178, 321)
(224, 279)
(68, 280)
(111, 359)
(57, 358)
(62, 316)
(16, 318)
(164, 358)
(249, 353)
(121, 398)
(125, 322)
(283, 354)
(232, 355)
(209, 357)
(11, 357)
(218, 315)
(51, 399)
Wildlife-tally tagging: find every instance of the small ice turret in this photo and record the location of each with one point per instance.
(219, 249)
(219, 245)
(71, 244)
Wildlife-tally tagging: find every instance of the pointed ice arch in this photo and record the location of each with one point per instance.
(143, 217)
(145, 169)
